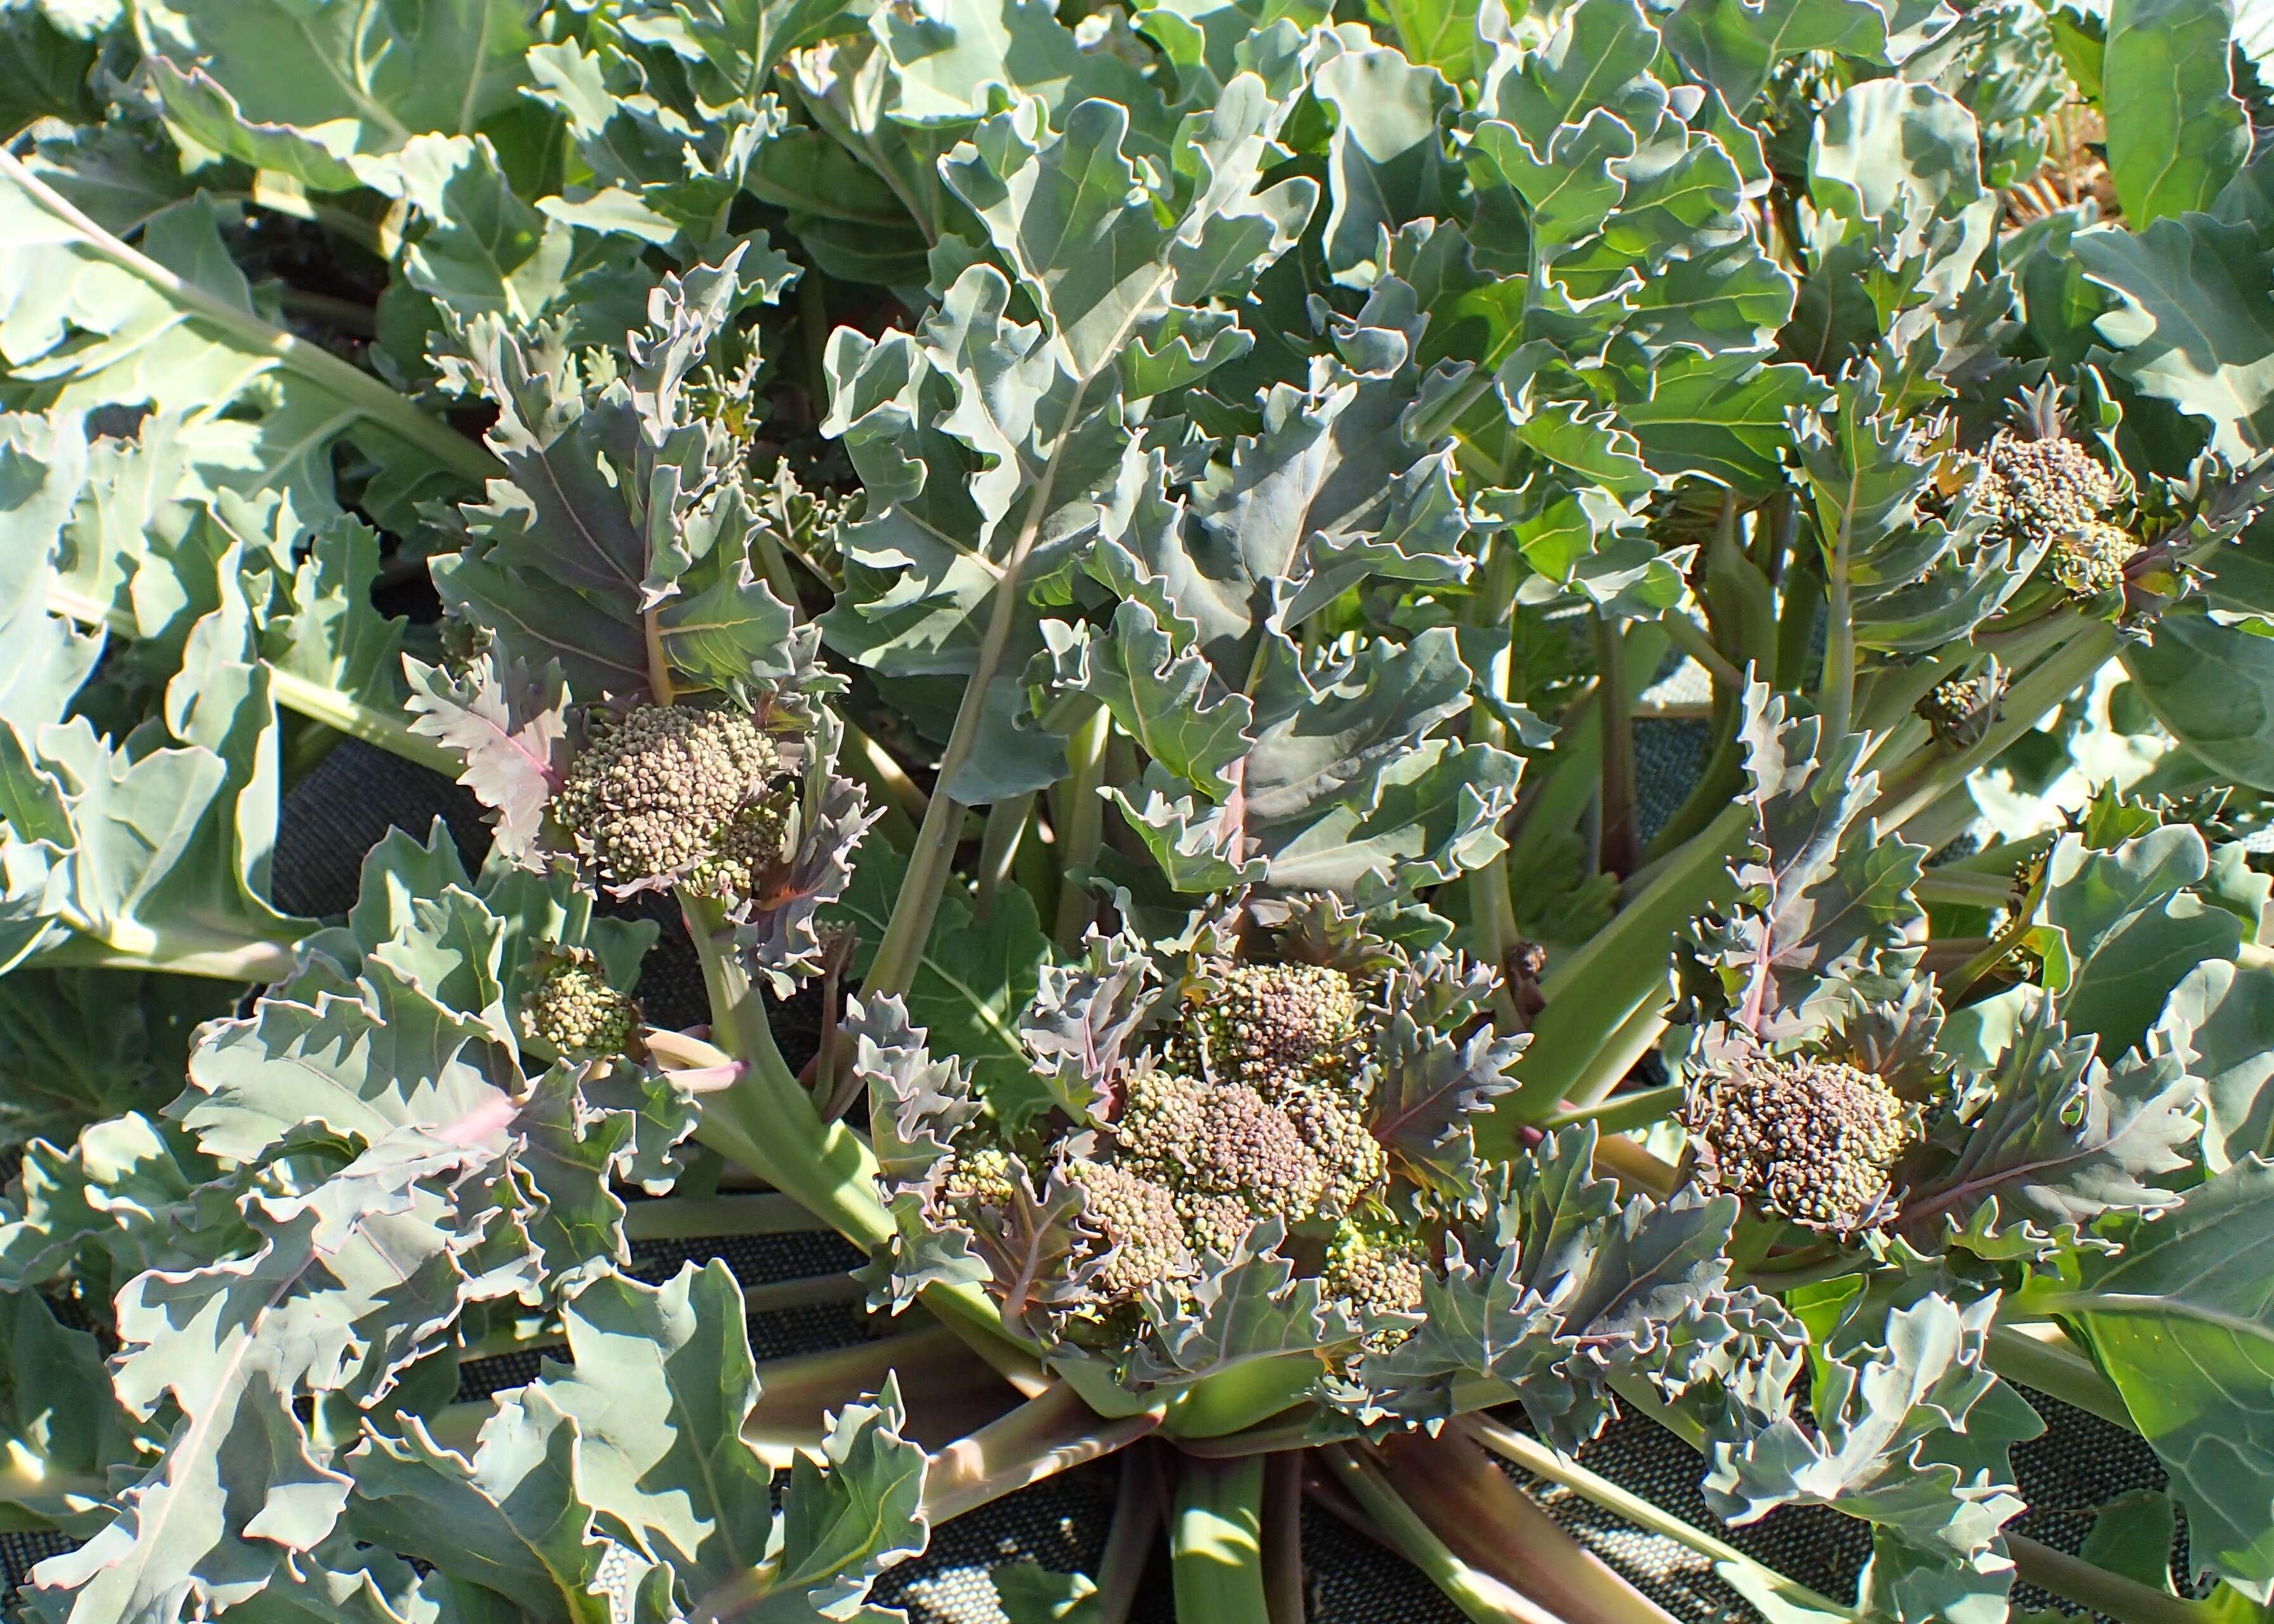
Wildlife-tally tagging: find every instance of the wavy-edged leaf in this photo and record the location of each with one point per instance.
(2195, 324)
(2181, 1319)
(308, 91)
(2221, 1019)
(2060, 1138)
(2177, 132)
(346, 1286)
(2121, 927)
(974, 980)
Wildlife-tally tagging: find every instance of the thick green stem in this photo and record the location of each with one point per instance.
(1624, 1048)
(1622, 847)
(929, 864)
(370, 398)
(1051, 1432)
(1593, 992)
(1622, 1112)
(1215, 1543)
(1006, 826)
(1690, 638)
(1835, 698)
(1285, 1579)
(1480, 1598)
(1494, 1527)
(2089, 1585)
(766, 1121)
(178, 951)
(1242, 1396)
(1923, 780)
(1528, 1453)
(390, 732)
(2026, 1355)
(1081, 827)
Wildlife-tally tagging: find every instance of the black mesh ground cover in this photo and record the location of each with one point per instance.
(350, 800)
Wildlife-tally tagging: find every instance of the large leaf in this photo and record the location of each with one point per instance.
(348, 1284)
(87, 321)
(2177, 132)
(1912, 1433)
(1563, 1286)
(2212, 683)
(662, 1383)
(620, 525)
(974, 980)
(309, 90)
(2222, 1019)
(1820, 910)
(1735, 45)
(2128, 929)
(2061, 1139)
(2196, 326)
(2181, 1321)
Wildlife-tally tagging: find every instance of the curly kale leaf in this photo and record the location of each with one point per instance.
(1562, 1288)
(2053, 1139)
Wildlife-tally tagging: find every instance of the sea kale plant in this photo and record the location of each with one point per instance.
(1383, 733)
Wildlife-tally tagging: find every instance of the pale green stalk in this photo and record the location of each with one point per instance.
(2028, 1355)
(998, 848)
(1051, 1432)
(1481, 1598)
(692, 1217)
(765, 1120)
(1215, 1543)
(178, 951)
(1594, 991)
(2091, 1585)
(1081, 825)
(1551, 1466)
(1621, 1112)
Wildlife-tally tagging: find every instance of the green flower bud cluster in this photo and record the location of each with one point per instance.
(1378, 1269)
(1226, 1156)
(1139, 1220)
(2091, 561)
(572, 1009)
(2052, 491)
(674, 793)
(1814, 1141)
(1961, 711)
(1296, 1033)
(980, 1176)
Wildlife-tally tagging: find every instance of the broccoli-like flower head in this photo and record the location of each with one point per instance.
(666, 794)
(981, 1176)
(1813, 1140)
(1960, 711)
(571, 1008)
(1137, 1219)
(1378, 1269)
(1238, 1144)
(1201, 1139)
(2051, 492)
(2090, 560)
(1275, 1027)
(2042, 489)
